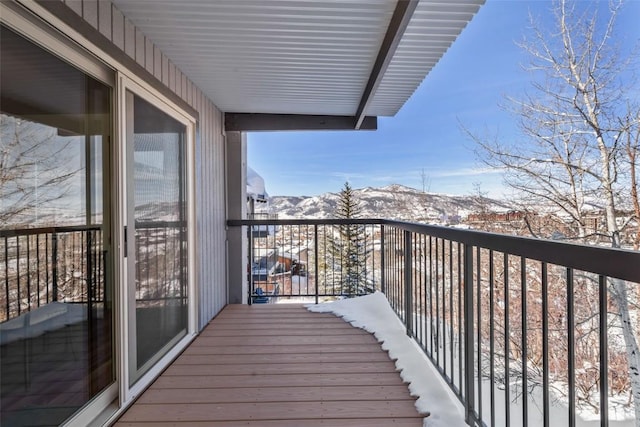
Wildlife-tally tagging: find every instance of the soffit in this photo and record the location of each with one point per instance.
(297, 56)
(433, 28)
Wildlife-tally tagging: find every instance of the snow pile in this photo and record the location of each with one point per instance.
(374, 314)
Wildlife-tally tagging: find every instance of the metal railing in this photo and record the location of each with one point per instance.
(43, 265)
(312, 260)
(68, 264)
(524, 331)
(161, 262)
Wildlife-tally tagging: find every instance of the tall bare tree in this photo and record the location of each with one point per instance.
(632, 150)
(35, 169)
(426, 181)
(579, 128)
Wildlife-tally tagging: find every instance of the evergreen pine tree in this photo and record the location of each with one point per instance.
(347, 250)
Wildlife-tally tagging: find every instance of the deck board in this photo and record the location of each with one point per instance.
(277, 366)
(276, 394)
(234, 359)
(306, 422)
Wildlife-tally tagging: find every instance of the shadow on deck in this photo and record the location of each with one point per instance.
(278, 365)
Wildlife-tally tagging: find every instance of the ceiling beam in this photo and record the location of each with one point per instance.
(398, 24)
(255, 122)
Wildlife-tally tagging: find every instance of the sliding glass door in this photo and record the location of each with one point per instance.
(57, 292)
(156, 233)
(96, 229)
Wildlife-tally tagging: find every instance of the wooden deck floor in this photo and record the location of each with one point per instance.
(277, 365)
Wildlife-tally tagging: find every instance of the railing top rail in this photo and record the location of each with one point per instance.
(616, 263)
(328, 221)
(611, 262)
(14, 232)
(160, 224)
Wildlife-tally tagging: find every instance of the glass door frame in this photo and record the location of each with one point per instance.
(137, 87)
(26, 22)
(38, 25)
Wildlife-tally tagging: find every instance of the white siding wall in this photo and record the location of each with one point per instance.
(210, 143)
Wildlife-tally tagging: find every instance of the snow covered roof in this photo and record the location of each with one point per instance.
(255, 186)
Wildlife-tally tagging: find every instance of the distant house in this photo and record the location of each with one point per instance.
(504, 217)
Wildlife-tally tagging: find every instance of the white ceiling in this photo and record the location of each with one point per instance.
(298, 56)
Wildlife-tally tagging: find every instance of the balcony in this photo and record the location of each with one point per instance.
(457, 293)
(460, 293)
(278, 365)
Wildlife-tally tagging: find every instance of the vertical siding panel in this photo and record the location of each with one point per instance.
(139, 47)
(129, 39)
(184, 87)
(75, 5)
(207, 279)
(172, 77)
(204, 294)
(200, 249)
(117, 31)
(199, 220)
(104, 18)
(178, 82)
(211, 243)
(218, 223)
(157, 63)
(90, 12)
(218, 247)
(210, 231)
(210, 221)
(148, 55)
(222, 214)
(212, 217)
(205, 240)
(215, 249)
(165, 70)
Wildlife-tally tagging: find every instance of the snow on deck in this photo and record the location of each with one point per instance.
(374, 314)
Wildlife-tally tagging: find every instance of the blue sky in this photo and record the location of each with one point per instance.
(466, 86)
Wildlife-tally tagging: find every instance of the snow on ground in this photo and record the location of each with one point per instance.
(374, 314)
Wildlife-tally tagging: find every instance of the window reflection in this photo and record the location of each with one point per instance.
(159, 203)
(55, 303)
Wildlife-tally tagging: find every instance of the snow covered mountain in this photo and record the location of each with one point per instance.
(391, 202)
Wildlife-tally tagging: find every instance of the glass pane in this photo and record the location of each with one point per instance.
(55, 303)
(160, 233)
